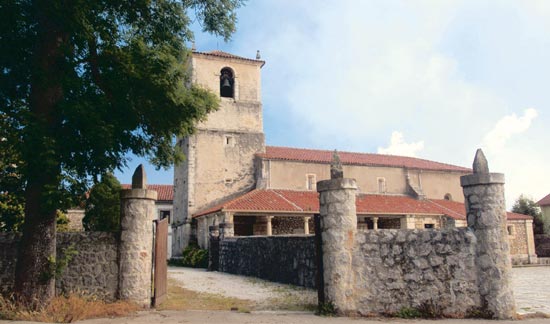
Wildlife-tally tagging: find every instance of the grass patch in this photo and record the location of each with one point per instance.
(66, 310)
(183, 299)
(292, 298)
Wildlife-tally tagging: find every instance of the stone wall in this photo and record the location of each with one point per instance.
(395, 269)
(286, 259)
(92, 271)
(452, 272)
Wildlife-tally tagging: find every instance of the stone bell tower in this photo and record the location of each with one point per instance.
(220, 155)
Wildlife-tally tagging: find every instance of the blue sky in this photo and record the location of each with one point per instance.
(431, 79)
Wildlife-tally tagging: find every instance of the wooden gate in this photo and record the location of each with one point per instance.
(160, 268)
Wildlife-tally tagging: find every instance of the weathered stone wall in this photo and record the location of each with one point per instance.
(8, 258)
(92, 271)
(286, 259)
(395, 269)
(518, 237)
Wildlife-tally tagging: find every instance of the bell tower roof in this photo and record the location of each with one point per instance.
(226, 55)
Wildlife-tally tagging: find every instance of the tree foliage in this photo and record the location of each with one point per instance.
(82, 84)
(525, 205)
(103, 206)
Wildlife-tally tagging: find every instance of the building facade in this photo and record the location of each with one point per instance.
(231, 176)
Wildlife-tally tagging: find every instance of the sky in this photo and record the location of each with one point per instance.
(430, 79)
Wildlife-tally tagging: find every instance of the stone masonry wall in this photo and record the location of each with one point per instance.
(92, 271)
(286, 259)
(394, 269)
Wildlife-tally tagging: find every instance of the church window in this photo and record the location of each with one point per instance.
(448, 197)
(227, 83)
(310, 181)
(381, 185)
(229, 141)
(429, 225)
(511, 230)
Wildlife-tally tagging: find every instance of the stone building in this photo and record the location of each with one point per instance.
(231, 176)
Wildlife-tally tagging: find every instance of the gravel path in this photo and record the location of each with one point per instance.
(266, 294)
(531, 288)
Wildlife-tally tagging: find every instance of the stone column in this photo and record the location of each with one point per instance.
(214, 248)
(486, 216)
(269, 228)
(136, 240)
(338, 230)
(375, 223)
(306, 224)
(226, 230)
(530, 237)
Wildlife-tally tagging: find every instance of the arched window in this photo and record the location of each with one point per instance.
(448, 197)
(227, 83)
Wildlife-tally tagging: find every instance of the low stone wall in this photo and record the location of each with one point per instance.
(287, 259)
(396, 269)
(92, 271)
(8, 254)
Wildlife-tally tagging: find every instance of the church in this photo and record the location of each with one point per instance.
(231, 176)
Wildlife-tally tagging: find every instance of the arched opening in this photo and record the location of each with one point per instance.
(448, 197)
(227, 83)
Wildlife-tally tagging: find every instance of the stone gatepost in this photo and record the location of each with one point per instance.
(226, 230)
(136, 240)
(214, 248)
(486, 216)
(338, 230)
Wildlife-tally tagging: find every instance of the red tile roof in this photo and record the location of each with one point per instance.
(352, 158)
(298, 202)
(165, 192)
(544, 201)
(227, 55)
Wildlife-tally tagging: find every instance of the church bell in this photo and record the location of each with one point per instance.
(226, 84)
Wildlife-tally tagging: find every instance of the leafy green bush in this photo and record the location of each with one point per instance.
(195, 257)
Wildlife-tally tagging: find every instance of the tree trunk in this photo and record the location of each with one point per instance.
(35, 268)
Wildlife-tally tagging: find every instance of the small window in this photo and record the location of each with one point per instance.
(229, 141)
(511, 229)
(310, 185)
(448, 197)
(429, 225)
(381, 185)
(164, 214)
(227, 83)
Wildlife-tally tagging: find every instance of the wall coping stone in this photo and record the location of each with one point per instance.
(138, 194)
(336, 184)
(481, 179)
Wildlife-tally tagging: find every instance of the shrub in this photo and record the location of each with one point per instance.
(195, 257)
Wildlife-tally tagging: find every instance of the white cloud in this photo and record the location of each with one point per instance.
(345, 74)
(398, 146)
(508, 126)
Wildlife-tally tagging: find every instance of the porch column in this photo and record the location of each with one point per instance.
(407, 222)
(269, 229)
(375, 223)
(306, 224)
(228, 217)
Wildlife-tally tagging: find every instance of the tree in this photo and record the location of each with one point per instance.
(83, 83)
(103, 206)
(525, 205)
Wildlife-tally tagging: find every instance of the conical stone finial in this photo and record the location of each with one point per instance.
(258, 56)
(336, 170)
(139, 179)
(480, 163)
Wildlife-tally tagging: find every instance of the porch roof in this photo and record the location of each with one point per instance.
(279, 201)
